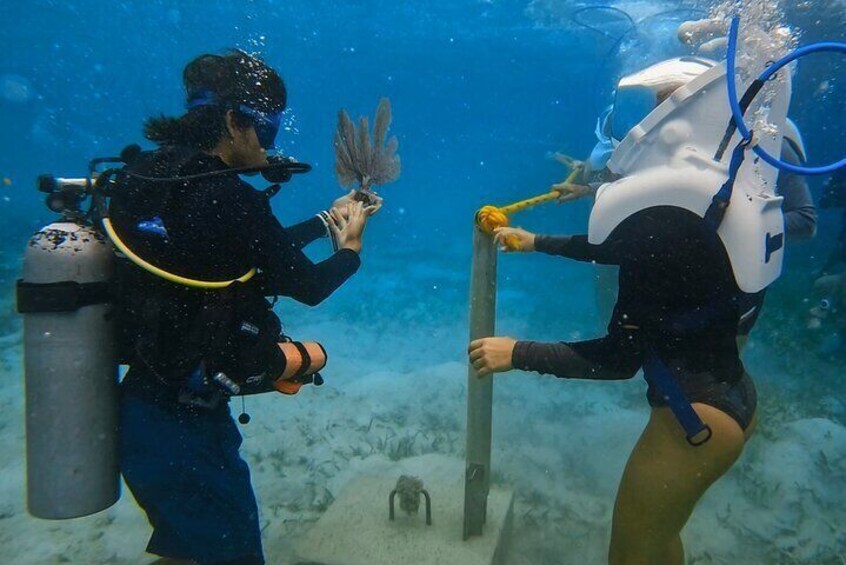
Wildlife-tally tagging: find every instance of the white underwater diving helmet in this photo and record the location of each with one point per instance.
(670, 120)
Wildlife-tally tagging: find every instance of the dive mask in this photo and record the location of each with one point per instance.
(605, 144)
(638, 94)
(631, 105)
(266, 124)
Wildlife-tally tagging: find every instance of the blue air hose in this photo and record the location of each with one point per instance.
(737, 112)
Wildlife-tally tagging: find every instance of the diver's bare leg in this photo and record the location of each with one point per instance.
(663, 480)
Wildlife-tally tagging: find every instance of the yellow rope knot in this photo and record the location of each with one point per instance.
(488, 218)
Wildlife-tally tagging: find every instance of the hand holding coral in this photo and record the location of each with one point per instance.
(372, 201)
(348, 226)
(372, 205)
(341, 203)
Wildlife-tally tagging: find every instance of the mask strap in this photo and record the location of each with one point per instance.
(203, 97)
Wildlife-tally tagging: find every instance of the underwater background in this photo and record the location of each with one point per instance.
(483, 91)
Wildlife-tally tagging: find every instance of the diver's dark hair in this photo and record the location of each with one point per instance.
(228, 80)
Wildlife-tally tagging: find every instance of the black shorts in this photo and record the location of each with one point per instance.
(739, 399)
(724, 385)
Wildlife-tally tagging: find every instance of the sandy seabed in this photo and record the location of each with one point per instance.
(396, 390)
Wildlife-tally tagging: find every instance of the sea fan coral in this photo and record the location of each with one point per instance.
(357, 160)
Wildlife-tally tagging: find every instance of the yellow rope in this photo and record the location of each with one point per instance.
(152, 269)
(489, 217)
(529, 203)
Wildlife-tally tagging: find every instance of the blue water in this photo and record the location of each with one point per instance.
(482, 92)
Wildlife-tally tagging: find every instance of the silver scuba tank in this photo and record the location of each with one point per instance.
(71, 372)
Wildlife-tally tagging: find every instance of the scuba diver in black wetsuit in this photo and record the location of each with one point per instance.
(190, 344)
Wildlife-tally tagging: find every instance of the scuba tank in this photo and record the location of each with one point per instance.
(70, 364)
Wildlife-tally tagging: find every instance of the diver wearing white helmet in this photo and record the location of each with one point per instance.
(689, 255)
(800, 214)
(640, 93)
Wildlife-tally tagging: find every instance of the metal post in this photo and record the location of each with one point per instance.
(479, 391)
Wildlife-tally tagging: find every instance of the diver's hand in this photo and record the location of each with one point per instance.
(348, 226)
(567, 192)
(514, 239)
(580, 171)
(568, 161)
(341, 203)
(373, 205)
(491, 355)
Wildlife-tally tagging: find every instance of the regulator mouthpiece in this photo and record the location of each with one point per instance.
(280, 169)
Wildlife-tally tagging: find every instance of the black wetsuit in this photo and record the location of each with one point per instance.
(677, 300)
(181, 459)
(215, 229)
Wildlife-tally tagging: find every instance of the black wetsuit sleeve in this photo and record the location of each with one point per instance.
(612, 358)
(286, 271)
(577, 247)
(305, 232)
(800, 214)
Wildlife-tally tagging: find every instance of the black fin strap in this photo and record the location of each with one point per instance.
(301, 372)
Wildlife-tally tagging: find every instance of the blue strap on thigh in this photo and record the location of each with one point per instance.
(660, 376)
